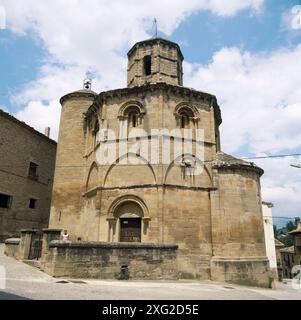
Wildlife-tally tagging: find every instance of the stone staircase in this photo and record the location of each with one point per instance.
(33, 263)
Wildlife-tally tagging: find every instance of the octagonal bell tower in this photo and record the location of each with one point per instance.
(155, 60)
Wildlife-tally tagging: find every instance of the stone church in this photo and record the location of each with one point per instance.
(213, 216)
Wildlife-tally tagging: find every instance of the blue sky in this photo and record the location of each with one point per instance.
(21, 58)
(45, 53)
(202, 34)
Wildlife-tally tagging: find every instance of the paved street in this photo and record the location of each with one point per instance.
(25, 282)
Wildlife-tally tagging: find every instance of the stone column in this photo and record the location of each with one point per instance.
(25, 243)
(112, 227)
(48, 236)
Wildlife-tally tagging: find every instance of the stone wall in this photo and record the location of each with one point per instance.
(248, 272)
(111, 260)
(12, 247)
(70, 165)
(84, 191)
(239, 254)
(237, 222)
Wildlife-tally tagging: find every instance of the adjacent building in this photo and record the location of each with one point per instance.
(269, 235)
(27, 161)
(296, 234)
(287, 261)
(291, 256)
(278, 246)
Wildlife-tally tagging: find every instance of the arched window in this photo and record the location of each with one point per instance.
(184, 120)
(133, 119)
(147, 64)
(131, 116)
(186, 116)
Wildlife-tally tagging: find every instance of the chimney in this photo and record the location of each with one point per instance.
(47, 132)
(297, 222)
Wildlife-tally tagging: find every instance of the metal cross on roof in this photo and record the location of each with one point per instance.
(156, 28)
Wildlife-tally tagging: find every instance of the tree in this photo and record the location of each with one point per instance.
(290, 226)
(282, 234)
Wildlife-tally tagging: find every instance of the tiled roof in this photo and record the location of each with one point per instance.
(279, 243)
(224, 160)
(288, 249)
(298, 230)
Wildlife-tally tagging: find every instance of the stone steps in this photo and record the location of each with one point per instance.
(33, 263)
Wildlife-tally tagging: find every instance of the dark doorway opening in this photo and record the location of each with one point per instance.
(35, 250)
(130, 229)
(147, 65)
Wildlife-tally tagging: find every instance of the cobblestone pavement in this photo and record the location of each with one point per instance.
(25, 282)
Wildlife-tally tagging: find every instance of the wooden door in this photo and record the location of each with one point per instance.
(130, 230)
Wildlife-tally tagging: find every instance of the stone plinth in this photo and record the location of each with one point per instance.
(48, 236)
(12, 247)
(243, 271)
(25, 243)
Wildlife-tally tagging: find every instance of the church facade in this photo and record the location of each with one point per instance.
(144, 164)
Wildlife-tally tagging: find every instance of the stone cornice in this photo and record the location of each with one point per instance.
(110, 245)
(155, 40)
(161, 86)
(141, 186)
(238, 166)
(149, 137)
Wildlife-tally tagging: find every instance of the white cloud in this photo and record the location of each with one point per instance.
(40, 116)
(291, 20)
(229, 8)
(260, 99)
(281, 184)
(75, 31)
(94, 35)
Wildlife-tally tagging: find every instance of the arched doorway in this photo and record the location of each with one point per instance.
(129, 215)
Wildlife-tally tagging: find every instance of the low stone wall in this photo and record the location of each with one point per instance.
(248, 271)
(12, 247)
(111, 260)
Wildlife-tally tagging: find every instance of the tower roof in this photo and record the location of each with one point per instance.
(78, 93)
(155, 41)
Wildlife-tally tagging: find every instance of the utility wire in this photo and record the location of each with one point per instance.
(272, 156)
(207, 161)
(281, 218)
